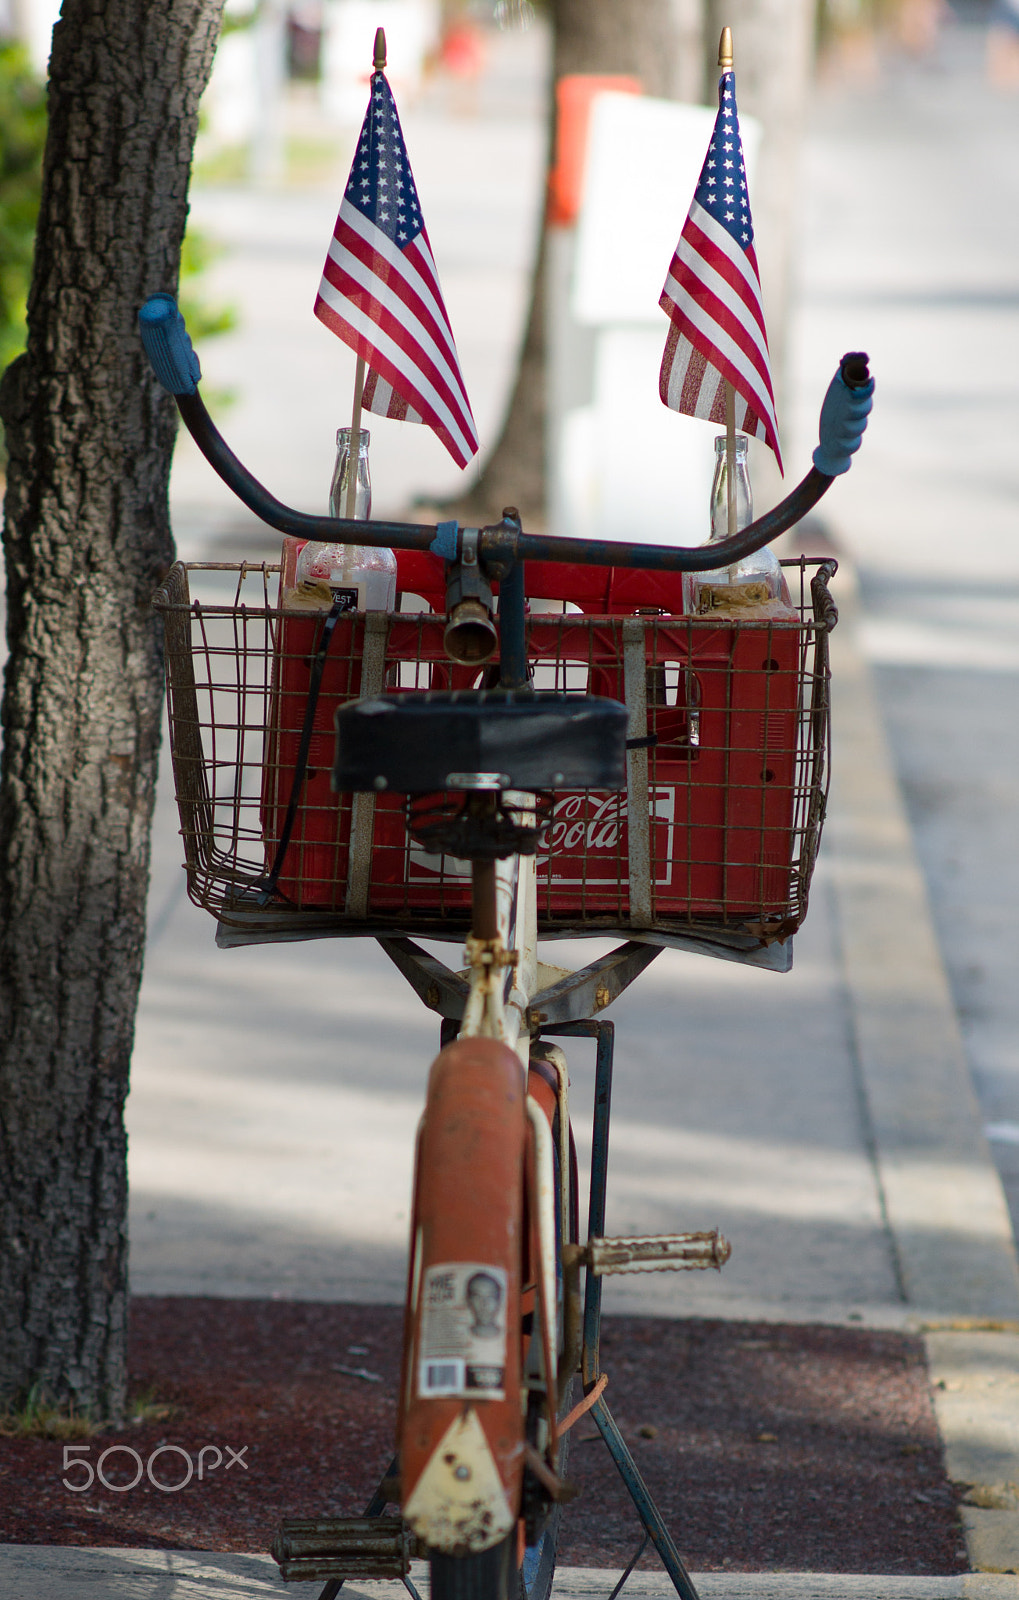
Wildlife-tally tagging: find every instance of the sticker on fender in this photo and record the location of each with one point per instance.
(462, 1350)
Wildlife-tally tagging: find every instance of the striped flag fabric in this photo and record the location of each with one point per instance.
(712, 295)
(380, 289)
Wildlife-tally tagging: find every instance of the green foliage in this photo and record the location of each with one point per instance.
(22, 140)
(39, 1418)
(146, 1406)
(204, 320)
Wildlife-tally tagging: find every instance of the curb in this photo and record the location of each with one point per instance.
(943, 1201)
(36, 1572)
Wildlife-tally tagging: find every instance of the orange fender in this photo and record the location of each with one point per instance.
(461, 1431)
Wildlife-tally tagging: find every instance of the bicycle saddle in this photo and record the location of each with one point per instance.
(420, 742)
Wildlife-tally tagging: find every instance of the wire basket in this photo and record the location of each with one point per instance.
(715, 836)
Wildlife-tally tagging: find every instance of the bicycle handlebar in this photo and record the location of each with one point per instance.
(844, 413)
(168, 345)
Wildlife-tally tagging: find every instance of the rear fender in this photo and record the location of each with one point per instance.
(461, 1428)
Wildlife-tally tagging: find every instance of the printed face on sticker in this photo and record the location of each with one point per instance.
(484, 1301)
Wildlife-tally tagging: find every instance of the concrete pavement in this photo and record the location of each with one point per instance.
(27, 1573)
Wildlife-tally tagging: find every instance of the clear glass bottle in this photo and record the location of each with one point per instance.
(763, 566)
(720, 499)
(341, 476)
(362, 575)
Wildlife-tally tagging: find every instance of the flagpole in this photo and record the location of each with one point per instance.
(725, 65)
(354, 452)
(730, 456)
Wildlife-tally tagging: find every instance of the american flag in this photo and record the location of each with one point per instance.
(713, 295)
(380, 289)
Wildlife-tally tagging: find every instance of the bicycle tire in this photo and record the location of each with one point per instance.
(536, 1572)
(482, 1575)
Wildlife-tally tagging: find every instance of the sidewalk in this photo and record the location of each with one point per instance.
(184, 1575)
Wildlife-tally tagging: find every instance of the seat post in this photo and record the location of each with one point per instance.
(484, 920)
(484, 906)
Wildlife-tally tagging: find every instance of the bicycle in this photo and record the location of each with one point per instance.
(465, 801)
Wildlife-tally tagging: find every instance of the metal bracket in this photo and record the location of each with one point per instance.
(584, 993)
(576, 997)
(441, 989)
(465, 579)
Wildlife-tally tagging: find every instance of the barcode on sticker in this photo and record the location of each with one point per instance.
(442, 1377)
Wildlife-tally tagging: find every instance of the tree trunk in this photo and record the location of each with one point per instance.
(87, 537)
(659, 42)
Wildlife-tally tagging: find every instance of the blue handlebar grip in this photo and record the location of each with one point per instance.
(168, 346)
(843, 420)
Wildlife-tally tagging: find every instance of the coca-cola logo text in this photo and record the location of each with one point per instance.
(583, 822)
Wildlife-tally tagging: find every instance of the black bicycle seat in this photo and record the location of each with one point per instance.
(416, 743)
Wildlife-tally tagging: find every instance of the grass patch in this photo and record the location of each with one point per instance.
(41, 1418)
(146, 1406)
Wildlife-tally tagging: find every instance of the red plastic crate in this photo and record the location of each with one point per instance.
(729, 816)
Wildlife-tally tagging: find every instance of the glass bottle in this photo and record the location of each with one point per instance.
(363, 576)
(763, 566)
(720, 499)
(341, 476)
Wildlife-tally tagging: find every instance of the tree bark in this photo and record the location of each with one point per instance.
(86, 538)
(659, 42)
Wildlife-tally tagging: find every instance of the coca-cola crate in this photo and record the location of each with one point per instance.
(733, 787)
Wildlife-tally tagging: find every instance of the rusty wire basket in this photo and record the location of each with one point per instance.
(714, 839)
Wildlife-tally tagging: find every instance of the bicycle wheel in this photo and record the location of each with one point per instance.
(487, 1575)
(496, 1574)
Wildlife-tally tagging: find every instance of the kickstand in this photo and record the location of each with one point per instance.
(632, 1563)
(646, 1509)
(375, 1507)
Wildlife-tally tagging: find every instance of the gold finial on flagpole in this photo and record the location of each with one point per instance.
(725, 50)
(380, 49)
